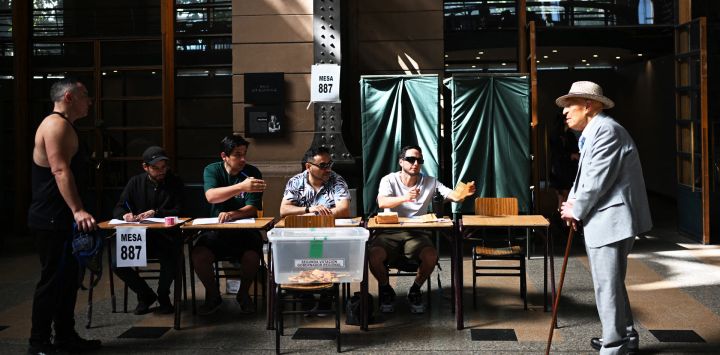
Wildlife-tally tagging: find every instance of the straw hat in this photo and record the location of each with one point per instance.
(585, 90)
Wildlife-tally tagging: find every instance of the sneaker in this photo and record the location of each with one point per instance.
(416, 302)
(387, 300)
(76, 344)
(144, 303)
(165, 307)
(247, 306)
(41, 348)
(308, 303)
(210, 306)
(325, 306)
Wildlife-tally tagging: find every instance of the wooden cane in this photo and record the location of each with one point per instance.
(559, 291)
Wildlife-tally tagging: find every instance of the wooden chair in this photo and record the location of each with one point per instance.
(147, 273)
(485, 249)
(292, 293)
(309, 221)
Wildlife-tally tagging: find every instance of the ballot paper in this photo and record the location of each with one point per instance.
(461, 190)
(144, 221)
(345, 222)
(214, 220)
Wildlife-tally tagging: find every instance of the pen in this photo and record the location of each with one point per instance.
(127, 204)
(242, 194)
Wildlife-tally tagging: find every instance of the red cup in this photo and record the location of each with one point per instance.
(170, 221)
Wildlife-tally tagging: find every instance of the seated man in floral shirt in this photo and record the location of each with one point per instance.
(318, 189)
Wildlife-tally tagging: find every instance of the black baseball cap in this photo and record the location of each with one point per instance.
(153, 155)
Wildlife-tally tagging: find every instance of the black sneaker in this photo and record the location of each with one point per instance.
(210, 306)
(41, 348)
(307, 304)
(247, 306)
(387, 300)
(165, 307)
(325, 306)
(416, 302)
(144, 303)
(76, 344)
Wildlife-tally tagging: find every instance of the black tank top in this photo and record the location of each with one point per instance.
(48, 210)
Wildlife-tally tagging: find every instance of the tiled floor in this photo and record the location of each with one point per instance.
(673, 285)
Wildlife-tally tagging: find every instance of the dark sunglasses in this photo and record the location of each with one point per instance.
(324, 166)
(412, 160)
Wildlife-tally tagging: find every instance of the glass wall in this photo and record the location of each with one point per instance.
(99, 43)
(491, 14)
(203, 83)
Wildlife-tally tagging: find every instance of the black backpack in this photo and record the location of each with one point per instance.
(352, 310)
(87, 249)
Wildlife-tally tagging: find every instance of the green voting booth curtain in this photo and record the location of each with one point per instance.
(397, 110)
(491, 136)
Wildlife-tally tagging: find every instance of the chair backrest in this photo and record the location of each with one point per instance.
(260, 213)
(496, 206)
(309, 221)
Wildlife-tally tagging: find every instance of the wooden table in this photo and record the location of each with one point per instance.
(260, 223)
(406, 223)
(179, 258)
(356, 221)
(471, 223)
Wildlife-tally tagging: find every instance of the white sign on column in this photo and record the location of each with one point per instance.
(325, 83)
(131, 246)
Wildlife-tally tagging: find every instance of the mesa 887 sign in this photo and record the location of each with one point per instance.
(131, 246)
(325, 83)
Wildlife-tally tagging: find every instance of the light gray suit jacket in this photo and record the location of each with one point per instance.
(609, 189)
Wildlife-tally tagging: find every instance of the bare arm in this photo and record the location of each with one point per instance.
(394, 201)
(222, 194)
(287, 208)
(61, 143)
(342, 208)
(247, 211)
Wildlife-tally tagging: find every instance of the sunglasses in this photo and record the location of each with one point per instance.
(412, 160)
(323, 166)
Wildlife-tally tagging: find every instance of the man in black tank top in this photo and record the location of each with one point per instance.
(57, 172)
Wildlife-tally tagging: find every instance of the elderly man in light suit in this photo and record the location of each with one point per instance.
(609, 198)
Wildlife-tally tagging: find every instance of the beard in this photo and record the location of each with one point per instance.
(411, 173)
(324, 177)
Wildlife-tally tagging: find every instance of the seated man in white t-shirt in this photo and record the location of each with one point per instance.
(409, 193)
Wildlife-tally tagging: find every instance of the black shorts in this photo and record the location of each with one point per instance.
(231, 244)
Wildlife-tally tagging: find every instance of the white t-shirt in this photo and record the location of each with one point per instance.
(392, 186)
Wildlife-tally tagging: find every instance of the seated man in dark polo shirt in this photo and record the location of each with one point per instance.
(234, 190)
(155, 193)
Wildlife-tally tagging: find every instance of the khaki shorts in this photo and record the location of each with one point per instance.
(404, 244)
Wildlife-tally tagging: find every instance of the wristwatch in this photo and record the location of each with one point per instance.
(307, 209)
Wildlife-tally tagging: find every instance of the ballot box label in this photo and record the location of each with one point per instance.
(319, 263)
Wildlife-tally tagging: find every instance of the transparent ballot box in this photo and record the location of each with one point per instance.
(318, 255)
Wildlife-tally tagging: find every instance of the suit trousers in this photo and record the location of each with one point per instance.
(608, 265)
(56, 291)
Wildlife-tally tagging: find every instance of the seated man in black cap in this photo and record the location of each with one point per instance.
(155, 193)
